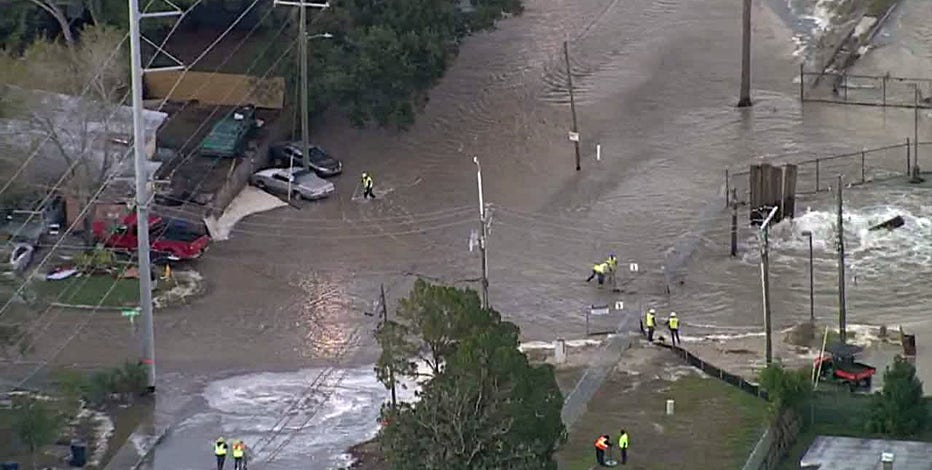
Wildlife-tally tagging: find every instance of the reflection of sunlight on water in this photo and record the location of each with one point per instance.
(324, 307)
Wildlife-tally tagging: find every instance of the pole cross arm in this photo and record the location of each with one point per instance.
(300, 3)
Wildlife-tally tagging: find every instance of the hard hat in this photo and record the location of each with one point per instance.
(612, 254)
(219, 439)
(672, 314)
(652, 311)
(364, 174)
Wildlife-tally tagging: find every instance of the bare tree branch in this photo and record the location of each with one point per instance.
(53, 9)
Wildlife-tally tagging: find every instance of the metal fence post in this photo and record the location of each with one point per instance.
(908, 158)
(817, 175)
(844, 83)
(884, 88)
(863, 179)
(802, 76)
(727, 187)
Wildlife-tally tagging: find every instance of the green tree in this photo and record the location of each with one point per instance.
(36, 424)
(786, 389)
(485, 406)
(899, 409)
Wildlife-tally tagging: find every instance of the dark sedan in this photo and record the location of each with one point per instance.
(289, 154)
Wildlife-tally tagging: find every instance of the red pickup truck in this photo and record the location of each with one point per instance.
(166, 238)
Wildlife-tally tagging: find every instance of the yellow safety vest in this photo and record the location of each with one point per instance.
(650, 320)
(623, 441)
(367, 182)
(612, 263)
(220, 449)
(238, 451)
(674, 323)
(599, 268)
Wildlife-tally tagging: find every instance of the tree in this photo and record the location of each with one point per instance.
(77, 128)
(59, 12)
(899, 409)
(786, 389)
(484, 406)
(35, 423)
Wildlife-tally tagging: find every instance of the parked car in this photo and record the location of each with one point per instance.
(289, 154)
(169, 239)
(303, 184)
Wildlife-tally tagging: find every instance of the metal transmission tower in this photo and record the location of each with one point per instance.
(142, 176)
(302, 65)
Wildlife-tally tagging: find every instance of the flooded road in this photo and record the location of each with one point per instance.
(656, 84)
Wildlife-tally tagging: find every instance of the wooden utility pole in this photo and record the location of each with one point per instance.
(842, 314)
(745, 99)
(569, 84)
(916, 130)
(765, 282)
(734, 222)
(391, 370)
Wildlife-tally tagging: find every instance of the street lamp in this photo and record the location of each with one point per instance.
(808, 234)
(320, 35)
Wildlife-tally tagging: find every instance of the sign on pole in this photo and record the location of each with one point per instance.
(574, 136)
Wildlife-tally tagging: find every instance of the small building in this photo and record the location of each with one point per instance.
(851, 453)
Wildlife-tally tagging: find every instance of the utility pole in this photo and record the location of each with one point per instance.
(745, 99)
(147, 353)
(808, 234)
(569, 83)
(765, 282)
(916, 130)
(483, 237)
(734, 223)
(391, 370)
(302, 66)
(842, 313)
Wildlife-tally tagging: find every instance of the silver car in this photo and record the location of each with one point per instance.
(302, 183)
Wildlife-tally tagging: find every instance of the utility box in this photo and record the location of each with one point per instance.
(886, 461)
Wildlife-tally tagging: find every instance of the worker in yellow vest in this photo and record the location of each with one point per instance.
(220, 450)
(367, 185)
(239, 455)
(623, 446)
(650, 322)
(674, 324)
(598, 271)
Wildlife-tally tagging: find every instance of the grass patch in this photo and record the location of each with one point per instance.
(714, 426)
(89, 290)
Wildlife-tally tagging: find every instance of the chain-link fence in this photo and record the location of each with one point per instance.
(819, 173)
(865, 90)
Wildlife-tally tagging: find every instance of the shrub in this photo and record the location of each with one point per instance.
(899, 409)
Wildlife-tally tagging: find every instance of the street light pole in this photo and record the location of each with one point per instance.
(302, 66)
(808, 234)
(765, 282)
(483, 237)
(842, 308)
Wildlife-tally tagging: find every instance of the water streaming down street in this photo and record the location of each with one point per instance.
(656, 81)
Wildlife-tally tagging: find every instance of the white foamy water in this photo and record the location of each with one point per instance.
(303, 419)
(869, 254)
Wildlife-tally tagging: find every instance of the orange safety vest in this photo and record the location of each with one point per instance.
(601, 443)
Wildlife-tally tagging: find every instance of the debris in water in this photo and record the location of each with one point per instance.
(890, 224)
